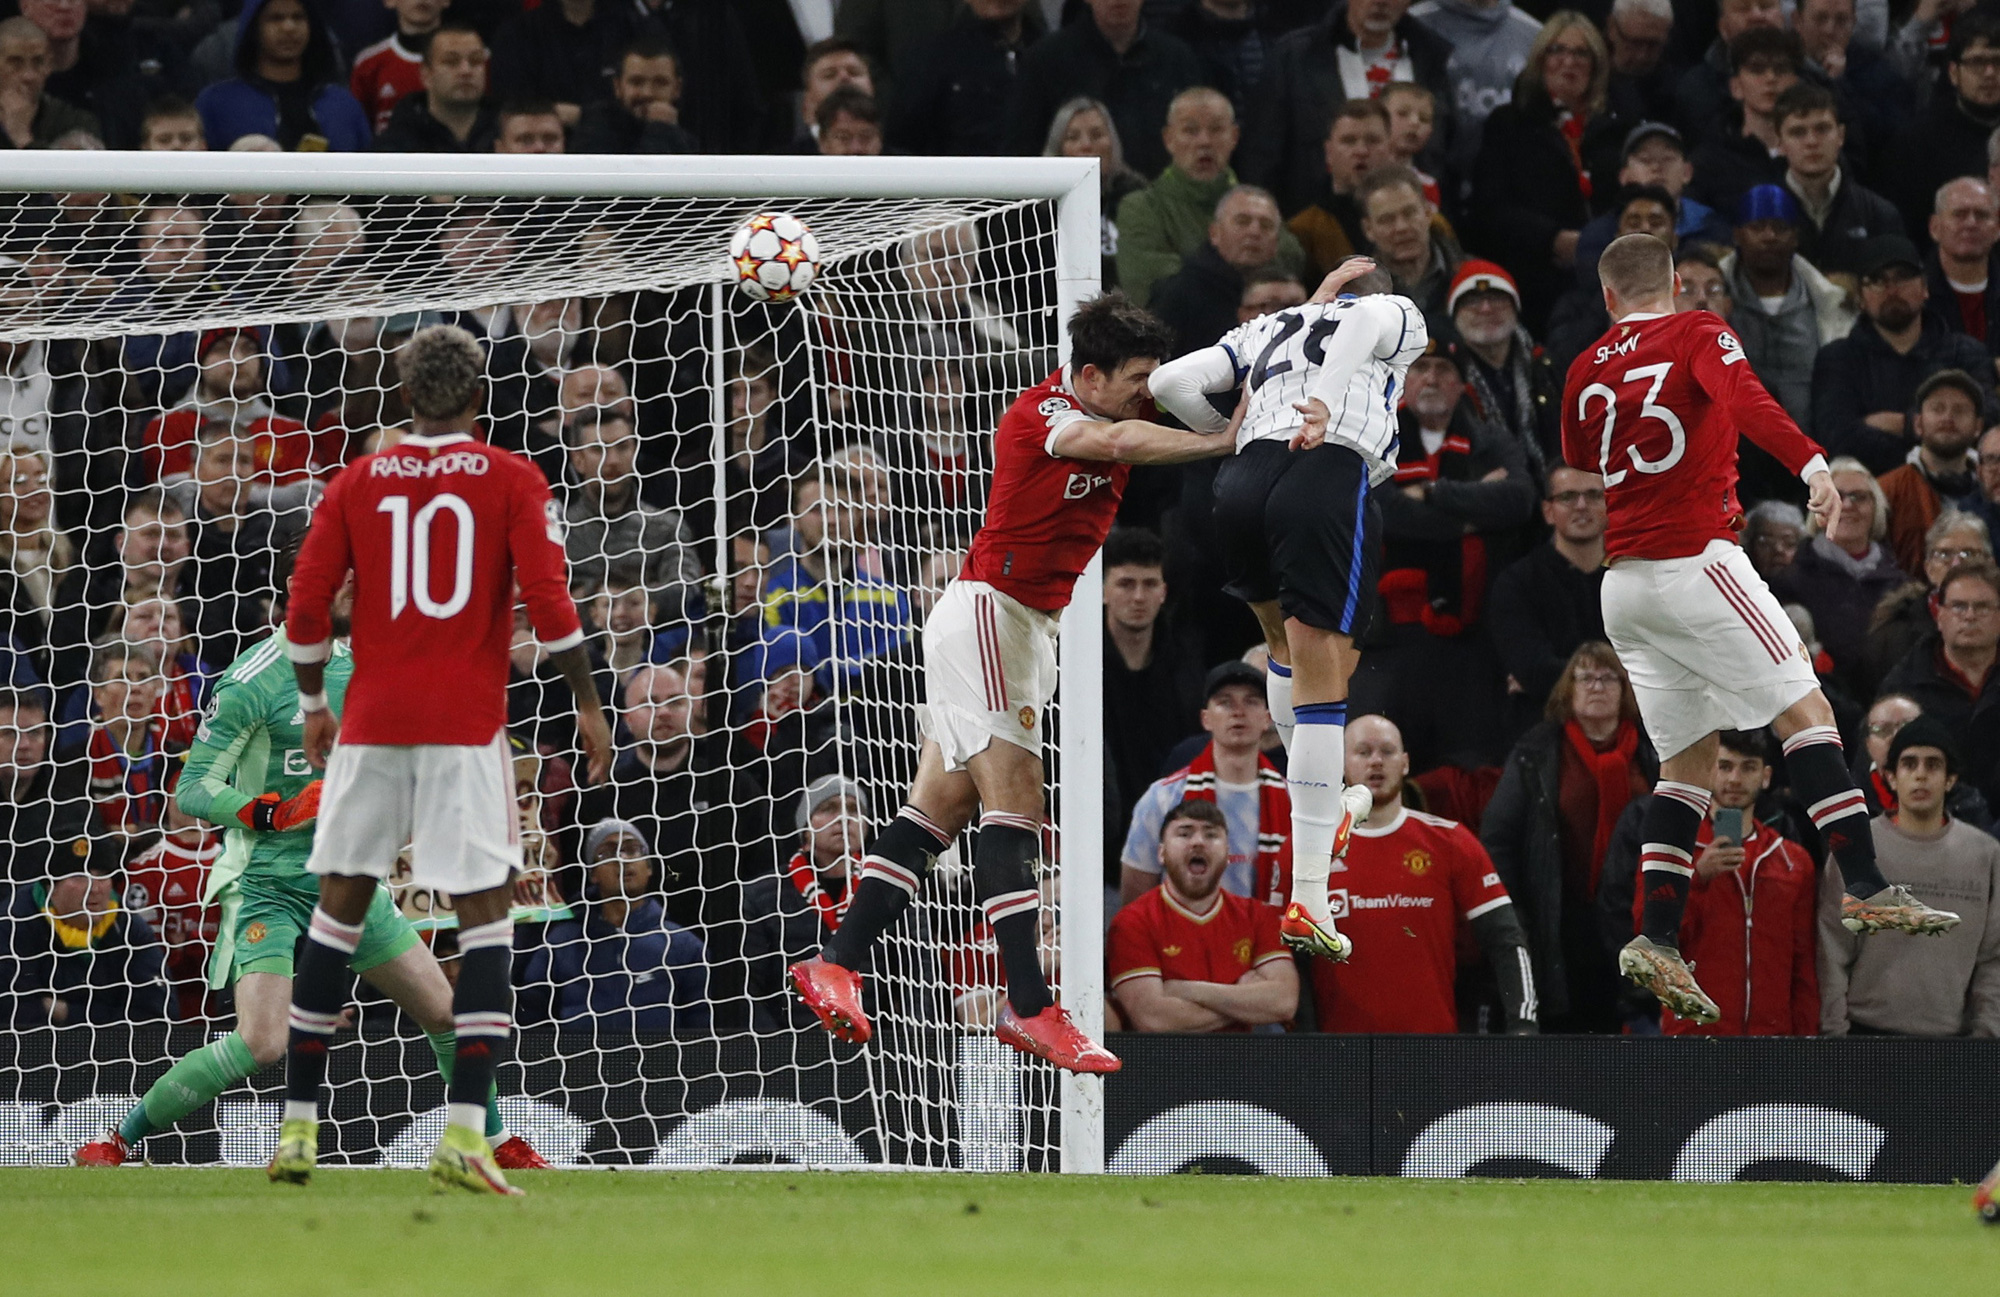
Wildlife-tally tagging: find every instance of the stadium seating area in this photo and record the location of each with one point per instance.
(1828, 172)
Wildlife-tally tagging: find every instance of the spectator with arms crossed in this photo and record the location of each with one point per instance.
(1189, 956)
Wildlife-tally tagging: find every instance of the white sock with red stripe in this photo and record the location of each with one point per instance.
(1666, 856)
(1839, 810)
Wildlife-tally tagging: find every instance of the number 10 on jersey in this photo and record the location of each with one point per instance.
(410, 555)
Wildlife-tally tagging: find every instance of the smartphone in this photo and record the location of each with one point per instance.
(1729, 824)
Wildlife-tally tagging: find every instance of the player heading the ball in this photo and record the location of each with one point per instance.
(1301, 532)
(1060, 459)
(1656, 406)
(438, 531)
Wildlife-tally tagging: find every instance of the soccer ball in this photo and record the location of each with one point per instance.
(775, 255)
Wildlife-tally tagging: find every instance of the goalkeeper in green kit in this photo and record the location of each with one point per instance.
(247, 772)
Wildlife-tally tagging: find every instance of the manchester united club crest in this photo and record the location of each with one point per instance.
(1418, 862)
(1027, 718)
(1242, 951)
(254, 933)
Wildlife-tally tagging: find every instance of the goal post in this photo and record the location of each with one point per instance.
(819, 466)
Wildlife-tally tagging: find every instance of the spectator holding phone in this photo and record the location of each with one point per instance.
(1751, 908)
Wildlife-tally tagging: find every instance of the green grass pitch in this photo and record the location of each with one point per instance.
(211, 1233)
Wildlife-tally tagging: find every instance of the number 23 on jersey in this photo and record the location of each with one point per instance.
(1652, 378)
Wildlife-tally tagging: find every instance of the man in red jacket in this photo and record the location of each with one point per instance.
(1749, 924)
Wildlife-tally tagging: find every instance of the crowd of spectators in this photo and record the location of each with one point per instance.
(1828, 173)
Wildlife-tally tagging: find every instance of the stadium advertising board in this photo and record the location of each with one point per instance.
(1864, 1109)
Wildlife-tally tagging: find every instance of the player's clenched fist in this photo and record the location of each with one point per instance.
(321, 730)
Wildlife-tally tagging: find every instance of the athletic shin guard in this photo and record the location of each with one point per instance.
(1838, 809)
(319, 984)
(1004, 876)
(1315, 779)
(1666, 858)
(894, 868)
(1278, 696)
(482, 1014)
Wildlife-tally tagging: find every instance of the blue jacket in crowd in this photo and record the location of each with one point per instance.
(645, 975)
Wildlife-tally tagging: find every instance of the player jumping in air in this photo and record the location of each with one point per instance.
(437, 531)
(1061, 457)
(1655, 406)
(246, 771)
(1301, 533)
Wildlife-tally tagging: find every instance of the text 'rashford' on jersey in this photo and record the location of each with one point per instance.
(1046, 515)
(1655, 405)
(1352, 353)
(438, 532)
(1401, 896)
(252, 742)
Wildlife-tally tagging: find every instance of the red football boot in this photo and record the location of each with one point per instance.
(516, 1154)
(112, 1150)
(1052, 1035)
(833, 994)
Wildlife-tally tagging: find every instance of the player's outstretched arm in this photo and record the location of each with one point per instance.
(592, 729)
(1182, 387)
(1135, 441)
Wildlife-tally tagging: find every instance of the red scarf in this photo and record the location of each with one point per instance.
(1274, 818)
(1380, 70)
(806, 879)
(129, 790)
(1571, 125)
(1613, 773)
(1406, 592)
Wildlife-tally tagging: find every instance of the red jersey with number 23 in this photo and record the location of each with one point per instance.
(439, 531)
(1655, 405)
(1045, 516)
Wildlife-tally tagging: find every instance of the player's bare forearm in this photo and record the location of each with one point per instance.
(1265, 995)
(1148, 1007)
(1340, 277)
(1135, 441)
(593, 731)
(321, 728)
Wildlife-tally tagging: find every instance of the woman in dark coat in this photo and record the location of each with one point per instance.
(1544, 157)
(1550, 823)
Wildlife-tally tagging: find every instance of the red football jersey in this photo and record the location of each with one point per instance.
(283, 448)
(383, 74)
(1656, 405)
(1400, 893)
(1046, 516)
(166, 886)
(438, 532)
(1157, 936)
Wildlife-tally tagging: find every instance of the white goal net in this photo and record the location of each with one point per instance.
(763, 501)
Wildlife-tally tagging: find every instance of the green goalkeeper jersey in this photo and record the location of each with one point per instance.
(252, 742)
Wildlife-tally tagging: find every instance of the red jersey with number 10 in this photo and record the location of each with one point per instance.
(1045, 516)
(1656, 405)
(438, 531)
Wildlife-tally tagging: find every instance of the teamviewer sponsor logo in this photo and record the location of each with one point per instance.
(1394, 901)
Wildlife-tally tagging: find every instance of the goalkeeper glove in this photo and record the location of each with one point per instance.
(269, 813)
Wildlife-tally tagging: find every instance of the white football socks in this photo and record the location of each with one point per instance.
(1318, 759)
(1278, 695)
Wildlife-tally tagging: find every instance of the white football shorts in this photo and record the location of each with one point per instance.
(1706, 643)
(452, 804)
(989, 672)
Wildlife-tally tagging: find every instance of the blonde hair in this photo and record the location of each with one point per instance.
(1528, 87)
(38, 558)
(441, 368)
